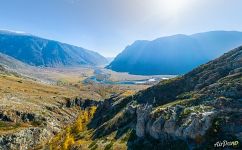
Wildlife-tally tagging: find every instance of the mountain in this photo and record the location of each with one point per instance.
(10, 63)
(198, 110)
(12, 66)
(175, 54)
(42, 52)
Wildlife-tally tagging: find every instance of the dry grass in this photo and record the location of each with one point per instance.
(5, 127)
(70, 75)
(21, 93)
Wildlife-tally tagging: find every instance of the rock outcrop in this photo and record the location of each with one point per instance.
(24, 139)
(190, 127)
(142, 118)
(39, 128)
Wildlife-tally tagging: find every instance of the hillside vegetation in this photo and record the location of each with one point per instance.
(33, 111)
(193, 111)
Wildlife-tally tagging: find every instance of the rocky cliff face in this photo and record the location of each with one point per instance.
(142, 118)
(191, 127)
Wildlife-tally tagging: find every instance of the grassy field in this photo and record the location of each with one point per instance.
(22, 93)
(73, 78)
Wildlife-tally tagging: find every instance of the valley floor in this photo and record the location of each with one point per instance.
(38, 103)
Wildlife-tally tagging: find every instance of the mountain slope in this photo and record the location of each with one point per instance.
(193, 111)
(42, 52)
(31, 112)
(176, 54)
(12, 66)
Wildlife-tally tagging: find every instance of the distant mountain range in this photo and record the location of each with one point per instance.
(175, 54)
(43, 52)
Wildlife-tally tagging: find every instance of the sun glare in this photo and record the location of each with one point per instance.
(173, 7)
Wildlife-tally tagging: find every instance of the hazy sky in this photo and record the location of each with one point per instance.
(108, 26)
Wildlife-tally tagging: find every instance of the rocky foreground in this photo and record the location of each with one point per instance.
(35, 130)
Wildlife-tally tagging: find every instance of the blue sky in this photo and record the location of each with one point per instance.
(108, 26)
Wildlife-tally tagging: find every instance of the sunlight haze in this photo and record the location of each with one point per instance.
(108, 26)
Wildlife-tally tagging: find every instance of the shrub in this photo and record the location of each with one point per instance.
(109, 146)
(92, 144)
(69, 139)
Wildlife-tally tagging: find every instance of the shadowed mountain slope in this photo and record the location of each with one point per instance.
(175, 54)
(43, 52)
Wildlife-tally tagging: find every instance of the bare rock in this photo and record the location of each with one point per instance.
(25, 139)
(142, 118)
(199, 125)
(155, 128)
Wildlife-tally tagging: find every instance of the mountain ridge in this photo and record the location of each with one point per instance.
(176, 54)
(39, 51)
